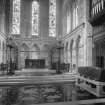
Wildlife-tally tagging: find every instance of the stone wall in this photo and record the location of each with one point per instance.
(26, 39)
(2, 33)
(81, 52)
(83, 30)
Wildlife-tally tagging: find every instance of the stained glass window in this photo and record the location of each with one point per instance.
(16, 17)
(52, 18)
(35, 18)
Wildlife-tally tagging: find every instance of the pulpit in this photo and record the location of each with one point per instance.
(34, 63)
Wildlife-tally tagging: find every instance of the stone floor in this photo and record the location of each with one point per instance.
(40, 93)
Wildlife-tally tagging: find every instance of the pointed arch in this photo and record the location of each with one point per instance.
(45, 54)
(74, 55)
(24, 54)
(35, 47)
(35, 52)
(45, 47)
(79, 51)
(78, 42)
(66, 52)
(24, 47)
(71, 51)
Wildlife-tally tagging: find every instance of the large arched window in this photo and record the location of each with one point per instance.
(16, 17)
(68, 19)
(35, 17)
(75, 15)
(52, 18)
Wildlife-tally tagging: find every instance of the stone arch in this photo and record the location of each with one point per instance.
(24, 54)
(16, 44)
(36, 46)
(71, 51)
(67, 3)
(72, 56)
(79, 51)
(66, 51)
(63, 51)
(35, 52)
(78, 41)
(45, 54)
(24, 47)
(45, 47)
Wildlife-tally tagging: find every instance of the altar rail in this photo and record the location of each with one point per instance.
(22, 79)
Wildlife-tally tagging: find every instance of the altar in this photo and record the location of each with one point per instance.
(34, 63)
